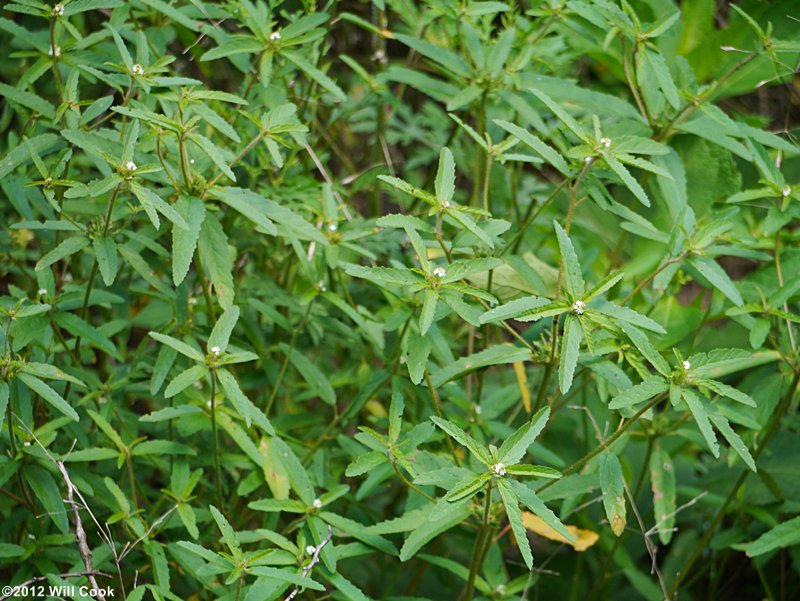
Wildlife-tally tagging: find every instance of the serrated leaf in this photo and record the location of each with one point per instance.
(184, 241)
(185, 379)
(698, 411)
(712, 272)
(463, 439)
(644, 391)
(48, 394)
(511, 504)
(573, 278)
(662, 481)
(515, 446)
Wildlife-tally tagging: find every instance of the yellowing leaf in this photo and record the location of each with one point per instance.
(376, 408)
(522, 380)
(583, 538)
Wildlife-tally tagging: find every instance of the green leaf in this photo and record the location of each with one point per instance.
(106, 251)
(185, 379)
(515, 446)
(786, 534)
(179, 346)
(464, 439)
(612, 484)
(46, 491)
(445, 183)
(231, 540)
(4, 395)
(511, 504)
(534, 471)
(152, 202)
(559, 112)
(67, 248)
(627, 179)
(640, 393)
(419, 348)
(662, 478)
(573, 279)
(726, 391)
(532, 501)
(465, 491)
(315, 74)
(81, 329)
(549, 153)
(243, 404)
(712, 272)
(494, 355)
(428, 310)
(30, 101)
(698, 411)
(213, 249)
(184, 241)
(213, 153)
(452, 514)
(311, 374)
(643, 344)
(659, 66)
(250, 205)
(570, 349)
(737, 444)
(221, 333)
(48, 394)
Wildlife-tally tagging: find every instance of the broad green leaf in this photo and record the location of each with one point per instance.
(67, 248)
(179, 346)
(737, 444)
(712, 272)
(221, 333)
(612, 484)
(106, 251)
(570, 349)
(445, 183)
(464, 439)
(639, 393)
(532, 501)
(185, 379)
(662, 481)
(494, 355)
(48, 394)
(431, 298)
(511, 504)
(184, 241)
(698, 411)
(228, 534)
(515, 446)
(213, 249)
(573, 278)
(426, 530)
(783, 535)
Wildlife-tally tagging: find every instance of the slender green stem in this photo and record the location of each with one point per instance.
(286, 359)
(480, 543)
(215, 436)
(408, 483)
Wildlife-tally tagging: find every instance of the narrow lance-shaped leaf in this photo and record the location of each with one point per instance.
(515, 446)
(570, 347)
(662, 481)
(511, 504)
(613, 486)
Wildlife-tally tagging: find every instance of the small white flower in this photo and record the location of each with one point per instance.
(191, 161)
(501, 590)
(333, 227)
(27, 443)
(275, 35)
(321, 286)
(478, 410)
(499, 469)
(605, 142)
(130, 166)
(42, 291)
(578, 307)
(208, 403)
(137, 69)
(687, 365)
(439, 272)
(58, 10)
(56, 52)
(379, 56)
(215, 350)
(193, 301)
(446, 204)
(317, 504)
(588, 160)
(310, 550)
(787, 190)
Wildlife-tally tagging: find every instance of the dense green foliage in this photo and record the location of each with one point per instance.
(400, 300)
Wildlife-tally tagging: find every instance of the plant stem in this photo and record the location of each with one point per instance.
(215, 442)
(480, 543)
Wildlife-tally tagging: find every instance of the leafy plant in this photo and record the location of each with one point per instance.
(397, 300)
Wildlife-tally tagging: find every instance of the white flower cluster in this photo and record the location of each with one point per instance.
(605, 142)
(137, 69)
(275, 36)
(130, 166)
(439, 272)
(787, 190)
(498, 469)
(578, 307)
(317, 504)
(58, 10)
(687, 365)
(215, 350)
